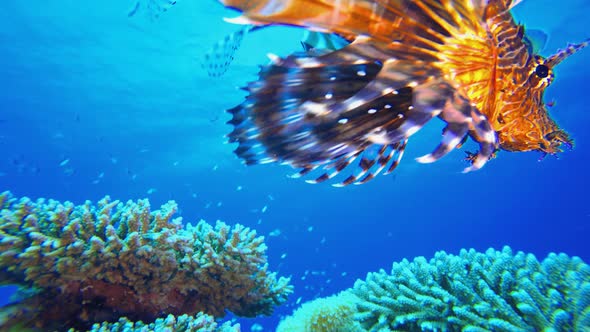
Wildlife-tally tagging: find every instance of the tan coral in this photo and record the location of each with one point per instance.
(126, 260)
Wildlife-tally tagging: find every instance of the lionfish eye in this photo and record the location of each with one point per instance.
(542, 71)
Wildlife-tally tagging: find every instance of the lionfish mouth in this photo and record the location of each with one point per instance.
(558, 138)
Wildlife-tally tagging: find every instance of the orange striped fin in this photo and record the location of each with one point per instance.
(382, 20)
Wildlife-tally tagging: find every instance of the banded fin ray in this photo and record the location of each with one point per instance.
(357, 167)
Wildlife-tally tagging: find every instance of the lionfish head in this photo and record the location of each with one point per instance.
(541, 75)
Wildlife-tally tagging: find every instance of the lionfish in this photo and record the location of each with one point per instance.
(407, 61)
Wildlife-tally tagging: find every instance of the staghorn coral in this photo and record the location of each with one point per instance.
(92, 264)
(473, 292)
(184, 323)
(330, 314)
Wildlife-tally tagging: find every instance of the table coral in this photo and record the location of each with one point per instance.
(90, 264)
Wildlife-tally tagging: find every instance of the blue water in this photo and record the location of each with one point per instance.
(125, 101)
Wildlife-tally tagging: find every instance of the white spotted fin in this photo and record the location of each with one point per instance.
(346, 114)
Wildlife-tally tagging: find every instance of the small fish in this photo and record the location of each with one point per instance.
(275, 232)
(151, 191)
(64, 162)
(264, 208)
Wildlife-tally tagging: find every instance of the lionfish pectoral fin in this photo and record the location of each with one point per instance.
(393, 76)
(438, 98)
(349, 110)
(464, 119)
(291, 116)
(452, 137)
(364, 165)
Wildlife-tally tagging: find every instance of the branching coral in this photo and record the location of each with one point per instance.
(492, 291)
(91, 264)
(184, 323)
(472, 292)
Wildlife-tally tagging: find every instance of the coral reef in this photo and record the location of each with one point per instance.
(330, 314)
(88, 264)
(474, 292)
(184, 323)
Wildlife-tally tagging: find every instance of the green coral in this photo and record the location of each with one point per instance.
(90, 263)
(491, 291)
(331, 314)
